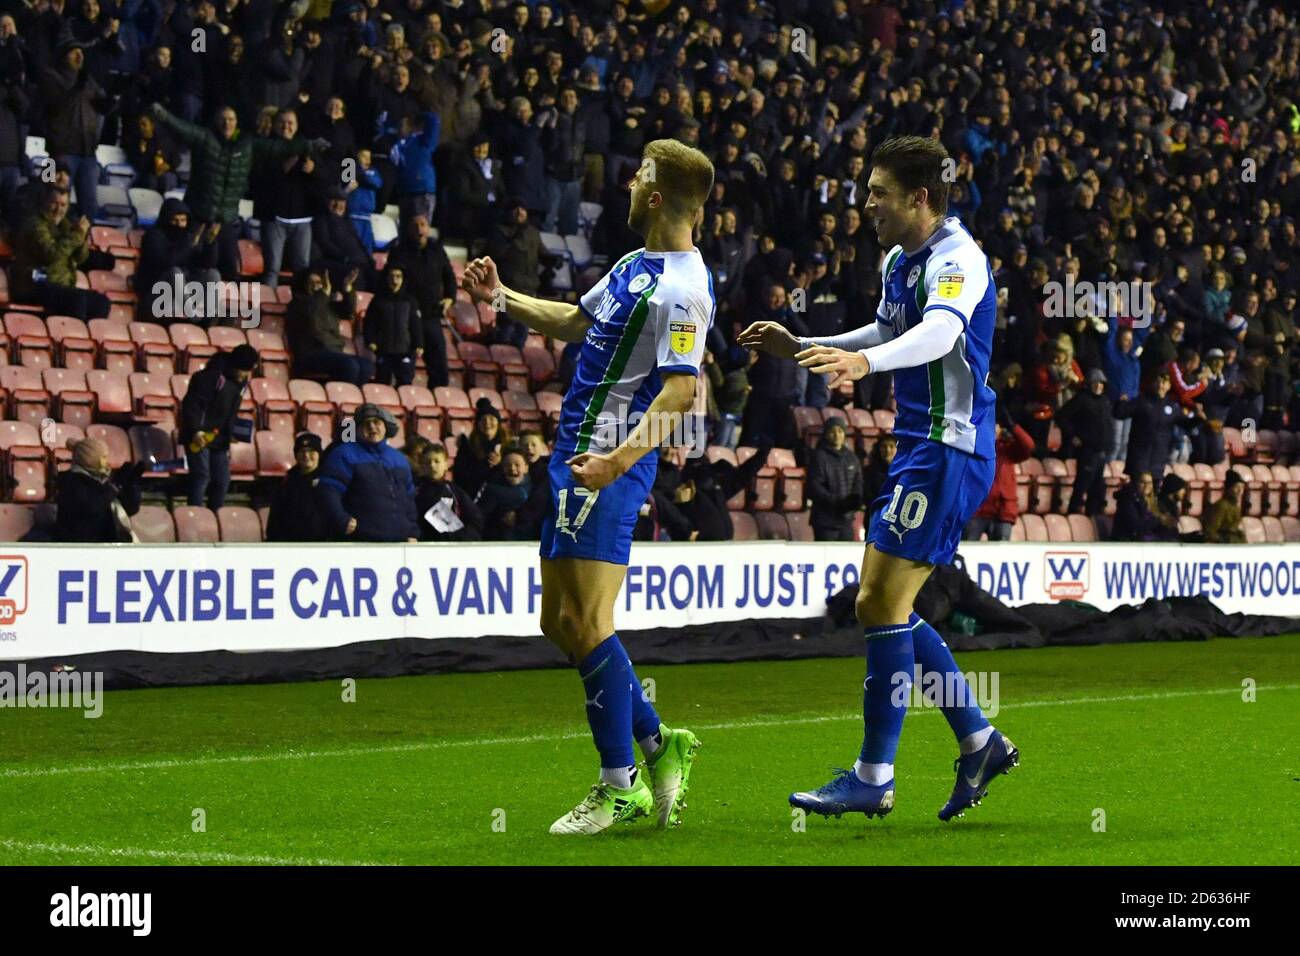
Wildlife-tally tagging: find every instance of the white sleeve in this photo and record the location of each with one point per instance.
(957, 286)
(590, 299)
(681, 319)
(928, 340)
(854, 341)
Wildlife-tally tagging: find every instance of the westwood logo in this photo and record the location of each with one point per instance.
(13, 587)
(1066, 575)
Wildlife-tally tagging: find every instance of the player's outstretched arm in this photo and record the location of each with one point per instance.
(661, 419)
(559, 320)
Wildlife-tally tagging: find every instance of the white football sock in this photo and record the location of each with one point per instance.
(873, 773)
(621, 777)
(650, 745)
(976, 741)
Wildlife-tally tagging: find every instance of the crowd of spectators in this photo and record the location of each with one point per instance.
(1094, 142)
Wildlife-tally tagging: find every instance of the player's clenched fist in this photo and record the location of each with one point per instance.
(840, 365)
(771, 337)
(594, 471)
(480, 279)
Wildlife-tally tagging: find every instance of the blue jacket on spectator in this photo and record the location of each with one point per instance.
(372, 483)
(1123, 369)
(413, 157)
(361, 203)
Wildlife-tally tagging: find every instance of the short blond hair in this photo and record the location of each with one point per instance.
(683, 175)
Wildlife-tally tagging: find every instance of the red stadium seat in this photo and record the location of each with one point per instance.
(243, 460)
(116, 350)
(154, 525)
(1058, 527)
(192, 345)
(73, 346)
(1235, 446)
(251, 265)
(25, 462)
(744, 527)
(1082, 528)
(1254, 529)
(1018, 529)
(29, 339)
(154, 346)
(275, 409)
(152, 397)
(315, 410)
(119, 446)
(541, 365)
(225, 338)
(273, 354)
(156, 443)
(1290, 528)
(884, 419)
(28, 400)
(1274, 490)
(800, 526)
(16, 519)
(1273, 532)
(196, 525)
(345, 396)
(240, 524)
(274, 453)
(772, 526)
(1035, 528)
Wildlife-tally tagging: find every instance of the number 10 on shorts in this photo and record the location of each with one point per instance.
(561, 511)
(912, 512)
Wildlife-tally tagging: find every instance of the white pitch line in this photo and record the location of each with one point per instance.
(171, 764)
(174, 856)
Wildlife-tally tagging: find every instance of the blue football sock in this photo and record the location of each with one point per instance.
(886, 691)
(962, 711)
(607, 676)
(645, 719)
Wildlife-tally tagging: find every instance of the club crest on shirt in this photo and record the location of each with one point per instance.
(681, 336)
(949, 285)
(639, 283)
(913, 276)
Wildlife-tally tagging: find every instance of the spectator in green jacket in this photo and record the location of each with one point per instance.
(222, 158)
(49, 249)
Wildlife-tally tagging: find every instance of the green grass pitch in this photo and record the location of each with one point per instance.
(473, 768)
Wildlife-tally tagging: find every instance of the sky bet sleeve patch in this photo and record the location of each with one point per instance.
(949, 285)
(682, 336)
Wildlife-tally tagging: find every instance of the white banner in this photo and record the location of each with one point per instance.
(62, 600)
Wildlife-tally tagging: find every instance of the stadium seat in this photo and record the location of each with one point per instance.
(119, 446)
(1082, 528)
(274, 453)
(744, 527)
(579, 251)
(1264, 450)
(1035, 528)
(151, 396)
(800, 526)
(1289, 476)
(196, 525)
(16, 520)
(154, 525)
(251, 265)
(1273, 532)
(154, 347)
(1254, 529)
(113, 339)
(315, 410)
(1232, 441)
(192, 346)
(1288, 446)
(226, 338)
(549, 403)
(1058, 527)
(56, 444)
(808, 424)
(1018, 529)
(384, 230)
(152, 442)
(28, 399)
(772, 526)
(884, 419)
(720, 453)
(25, 462)
(73, 346)
(541, 365)
(345, 397)
(1290, 528)
(243, 460)
(240, 524)
(272, 353)
(29, 339)
(522, 409)
(1273, 489)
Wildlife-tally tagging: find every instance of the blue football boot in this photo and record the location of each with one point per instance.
(975, 771)
(846, 794)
